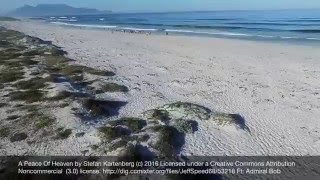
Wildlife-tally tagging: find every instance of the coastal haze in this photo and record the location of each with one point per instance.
(240, 82)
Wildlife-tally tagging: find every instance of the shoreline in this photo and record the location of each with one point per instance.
(270, 85)
(283, 41)
(217, 35)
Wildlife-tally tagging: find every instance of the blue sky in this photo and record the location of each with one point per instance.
(171, 5)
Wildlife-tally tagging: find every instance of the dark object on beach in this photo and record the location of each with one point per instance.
(112, 133)
(170, 141)
(133, 124)
(64, 134)
(80, 134)
(112, 87)
(18, 137)
(102, 107)
(167, 33)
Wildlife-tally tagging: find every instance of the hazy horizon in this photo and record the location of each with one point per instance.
(142, 6)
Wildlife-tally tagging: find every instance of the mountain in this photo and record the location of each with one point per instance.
(52, 10)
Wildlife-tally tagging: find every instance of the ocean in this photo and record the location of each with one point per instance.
(293, 26)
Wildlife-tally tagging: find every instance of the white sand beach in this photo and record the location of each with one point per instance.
(274, 87)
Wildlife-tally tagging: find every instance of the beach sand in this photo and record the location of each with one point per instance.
(274, 87)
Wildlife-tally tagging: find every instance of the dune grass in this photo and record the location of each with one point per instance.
(118, 144)
(29, 96)
(63, 133)
(33, 83)
(3, 105)
(161, 115)
(7, 76)
(111, 87)
(10, 53)
(187, 111)
(56, 61)
(40, 120)
(111, 133)
(184, 126)
(170, 140)
(4, 132)
(95, 107)
(13, 117)
(29, 65)
(134, 124)
(18, 63)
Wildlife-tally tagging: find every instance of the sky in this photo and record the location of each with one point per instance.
(170, 5)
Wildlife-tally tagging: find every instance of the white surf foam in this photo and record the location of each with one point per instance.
(288, 37)
(84, 25)
(318, 39)
(205, 32)
(178, 30)
(138, 29)
(264, 36)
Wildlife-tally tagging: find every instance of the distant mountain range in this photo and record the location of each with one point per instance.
(53, 10)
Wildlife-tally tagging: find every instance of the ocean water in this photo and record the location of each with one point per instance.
(293, 26)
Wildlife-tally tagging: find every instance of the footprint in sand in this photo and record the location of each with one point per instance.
(139, 66)
(159, 95)
(136, 89)
(162, 69)
(313, 133)
(153, 74)
(176, 83)
(265, 101)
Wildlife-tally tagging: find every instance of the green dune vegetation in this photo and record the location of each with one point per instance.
(32, 69)
(166, 125)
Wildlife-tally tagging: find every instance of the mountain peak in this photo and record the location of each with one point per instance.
(53, 5)
(52, 10)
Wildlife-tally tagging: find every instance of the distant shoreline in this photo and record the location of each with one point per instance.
(248, 25)
(300, 27)
(173, 33)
